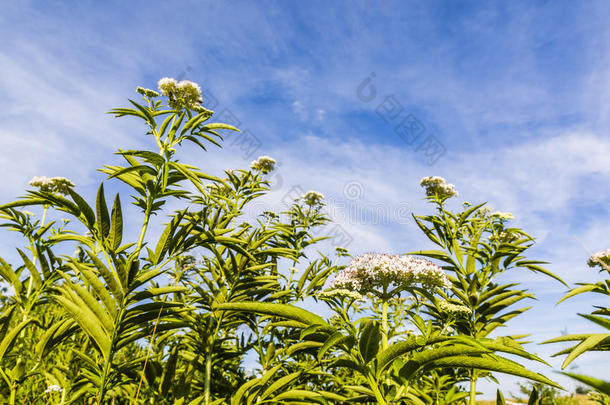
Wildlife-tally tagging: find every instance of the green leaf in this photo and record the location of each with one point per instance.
(218, 125)
(31, 268)
(600, 385)
(492, 363)
(299, 395)
(7, 342)
(103, 219)
(369, 340)
(165, 240)
(603, 322)
(167, 379)
(88, 324)
(588, 344)
(11, 277)
(534, 398)
(109, 277)
(420, 359)
(85, 209)
(241, 391)
(395, 350)
(116, 229)
(53, 335)
(329, 343)
(540, 269)
(280, 310)
(280, 383)
(500, 398)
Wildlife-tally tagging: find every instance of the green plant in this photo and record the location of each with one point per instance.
(210, 310)
(601, 316)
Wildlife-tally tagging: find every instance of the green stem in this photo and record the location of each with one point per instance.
(33, 247)
(208, 362)
(144, 228)
(378, 395)
(110, 357)
(11, 400)
(208, 377)
(384, 324)
(473, 388)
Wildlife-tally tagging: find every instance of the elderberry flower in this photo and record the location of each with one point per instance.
(313, 198)
(263, 164)
(53, 388)
(52, 185)
(505, 237)
(367, 273)
(601, 259)
(340, 293)
(454, 309)
(147, 92)
(167, 86)
(437, 186)
(62, 185)
(502, 215)
(183, 94)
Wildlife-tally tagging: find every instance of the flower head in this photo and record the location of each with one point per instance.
(263, 164)
(366, 273)
(506, 237)
(437, 186)
(53, 388)
(454, 310)
(52, 185)
(340, 293)
(312, 198)
(167, 86)
(502, 215)
(601, 259)
(183, 94)
(147, 92)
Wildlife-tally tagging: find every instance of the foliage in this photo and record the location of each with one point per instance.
(211, 310)
(588, 342)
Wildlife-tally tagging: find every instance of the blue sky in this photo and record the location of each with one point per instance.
(516, 93)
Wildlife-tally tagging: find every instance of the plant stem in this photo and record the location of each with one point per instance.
(33, 246)
(13, 392)
(380, 399)
(208, 361)
(208, 377)
(152, 338)
(473, 388)
(143, 231)
(384, 324)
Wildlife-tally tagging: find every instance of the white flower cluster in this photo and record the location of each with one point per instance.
(505, 237)
(340, 293)
(372, 270)
(52, 185)
(601, 259)
(53, 388)
(502, 215)
(263, 164)
(438, 186)
(147, 92)
(183, 94)
(313, 198)
(454, 309)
